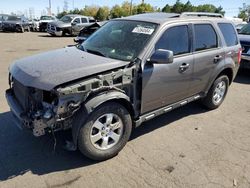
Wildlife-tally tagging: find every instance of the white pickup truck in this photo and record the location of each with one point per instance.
(69, 25)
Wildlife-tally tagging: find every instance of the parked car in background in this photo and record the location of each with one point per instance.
(87, 31)
(131, 70)
(34, 24)
(16, 24)
(239, 26)
(69, 25)
(244, 36)
(44, 20)
(3, 17)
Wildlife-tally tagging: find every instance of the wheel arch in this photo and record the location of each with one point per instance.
(90, 105)
(228, 71)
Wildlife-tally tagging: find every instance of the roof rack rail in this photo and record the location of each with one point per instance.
(201, 14)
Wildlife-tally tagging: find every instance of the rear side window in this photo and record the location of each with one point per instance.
(84, 20)
(205, 37)
(175, 39)
(229, 33)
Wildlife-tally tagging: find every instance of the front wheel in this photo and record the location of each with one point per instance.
(105, 132)
(217, 93)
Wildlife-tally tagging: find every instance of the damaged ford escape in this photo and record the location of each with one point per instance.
(129, 71)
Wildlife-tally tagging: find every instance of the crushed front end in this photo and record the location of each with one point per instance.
(44, 111)
(36, 109)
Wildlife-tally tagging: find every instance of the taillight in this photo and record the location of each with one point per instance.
(239, 55)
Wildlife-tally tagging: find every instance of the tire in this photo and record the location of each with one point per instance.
(216, 93)
(21, 29)
(105, 132)
(64, 33)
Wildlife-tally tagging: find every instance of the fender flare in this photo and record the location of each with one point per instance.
(90, 105)
(216, 75)
(96, 101)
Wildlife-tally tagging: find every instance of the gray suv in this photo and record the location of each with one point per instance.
(129, 71)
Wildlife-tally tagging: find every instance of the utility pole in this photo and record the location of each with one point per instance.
(131, 4)
(49, 8)
(66, 6)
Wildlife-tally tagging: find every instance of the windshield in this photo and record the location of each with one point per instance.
(13, 18)
(46, 18)
(66, 19)
(245, 30)
(121, 40)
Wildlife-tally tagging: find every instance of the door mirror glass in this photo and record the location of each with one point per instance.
(161, 56)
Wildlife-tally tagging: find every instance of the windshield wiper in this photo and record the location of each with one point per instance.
(244, 33)
(95, 52)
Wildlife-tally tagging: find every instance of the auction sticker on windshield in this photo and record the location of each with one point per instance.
(143, 30)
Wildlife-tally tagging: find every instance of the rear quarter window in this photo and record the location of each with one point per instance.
(229, 33)
(205, 37)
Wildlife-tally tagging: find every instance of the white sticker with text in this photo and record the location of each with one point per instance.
(143, 30)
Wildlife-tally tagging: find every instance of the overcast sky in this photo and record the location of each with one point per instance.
(7, 6)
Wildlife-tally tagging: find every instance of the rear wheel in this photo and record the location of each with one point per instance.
(217, 93)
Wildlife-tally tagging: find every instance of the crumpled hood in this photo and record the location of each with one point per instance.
(48, 70)
(244, 38)
(60, 24)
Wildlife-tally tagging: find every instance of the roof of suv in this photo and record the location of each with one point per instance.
(160, 17)
(77, 15)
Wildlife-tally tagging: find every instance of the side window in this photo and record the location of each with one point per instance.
(175, 39)
(84, 20)
(77, 20)
(205, 37)
(229, 33)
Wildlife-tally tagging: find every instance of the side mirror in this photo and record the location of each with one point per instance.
(161, 56)
(73, 23)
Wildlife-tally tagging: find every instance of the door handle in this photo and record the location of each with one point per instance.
(183, 67)
(217, 58)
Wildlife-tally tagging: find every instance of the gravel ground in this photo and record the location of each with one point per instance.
(188, 147)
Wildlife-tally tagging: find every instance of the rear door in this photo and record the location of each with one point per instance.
(231, 42)
(208, 56)
(164, 84)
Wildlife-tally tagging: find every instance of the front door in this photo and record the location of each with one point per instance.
(163, 84)
(76, 27)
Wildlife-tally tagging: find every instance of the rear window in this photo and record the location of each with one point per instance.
(229, 33)
(205, 37)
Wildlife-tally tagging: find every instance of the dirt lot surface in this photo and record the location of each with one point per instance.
(188, 147)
